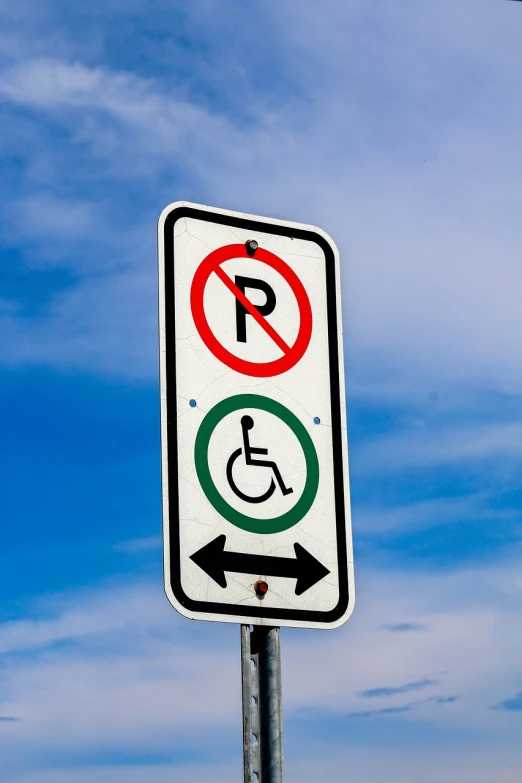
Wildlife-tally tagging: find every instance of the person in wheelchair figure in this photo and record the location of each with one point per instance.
(247, 424)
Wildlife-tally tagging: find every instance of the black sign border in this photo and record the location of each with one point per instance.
(211, 607)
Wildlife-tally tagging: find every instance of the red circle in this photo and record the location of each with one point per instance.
(256, 369)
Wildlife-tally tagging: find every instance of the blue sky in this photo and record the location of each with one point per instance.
(393, 125)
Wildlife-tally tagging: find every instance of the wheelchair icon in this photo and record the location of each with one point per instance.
(247, 423)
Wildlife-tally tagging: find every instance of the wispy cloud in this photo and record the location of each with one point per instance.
(120, 127)
(384, 711)
(131, 125)
(419, 685)
(405, 627)
(140, 544)
(462, 443)
(136, 672)
(512, 705)
(440, 700)
(426, 513)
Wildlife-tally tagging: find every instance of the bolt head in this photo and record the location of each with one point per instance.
(261, 588)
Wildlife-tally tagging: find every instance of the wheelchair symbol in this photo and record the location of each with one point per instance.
(247, 424)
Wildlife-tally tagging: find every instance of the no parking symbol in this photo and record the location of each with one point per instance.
(213, 264)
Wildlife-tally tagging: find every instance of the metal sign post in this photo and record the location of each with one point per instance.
(262, 704)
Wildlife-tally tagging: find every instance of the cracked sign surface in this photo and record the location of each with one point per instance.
(254, 448)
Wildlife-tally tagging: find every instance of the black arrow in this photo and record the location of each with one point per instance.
(214, 561)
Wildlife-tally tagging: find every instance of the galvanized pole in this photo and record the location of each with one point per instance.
(262, 705)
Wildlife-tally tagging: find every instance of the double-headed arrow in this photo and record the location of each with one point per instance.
(214, 561)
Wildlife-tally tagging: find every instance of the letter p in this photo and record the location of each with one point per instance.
(241, 312)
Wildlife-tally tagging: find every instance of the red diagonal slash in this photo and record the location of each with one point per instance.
(247, 304)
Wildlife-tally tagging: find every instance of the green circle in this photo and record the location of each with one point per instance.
(208, 425)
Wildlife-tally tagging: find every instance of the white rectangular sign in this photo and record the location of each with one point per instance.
(254, 449)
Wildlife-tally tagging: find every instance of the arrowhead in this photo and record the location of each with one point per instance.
(210, 560)
(309, 570)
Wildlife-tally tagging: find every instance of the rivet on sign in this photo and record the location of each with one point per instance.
(251, 246)
(261, 588)
(192, 403)
(317, 420)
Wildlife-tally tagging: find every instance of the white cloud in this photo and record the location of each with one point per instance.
(177, 773)
(47, 226)
(117, 671)
(140, 544)
(106, 324)
(443, 445)
(428, 513)
(411, 176)
(151, 122)
(399, 766)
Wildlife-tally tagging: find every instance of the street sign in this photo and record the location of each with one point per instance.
(254, 450)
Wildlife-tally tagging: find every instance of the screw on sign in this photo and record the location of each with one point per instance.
(254, 448)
